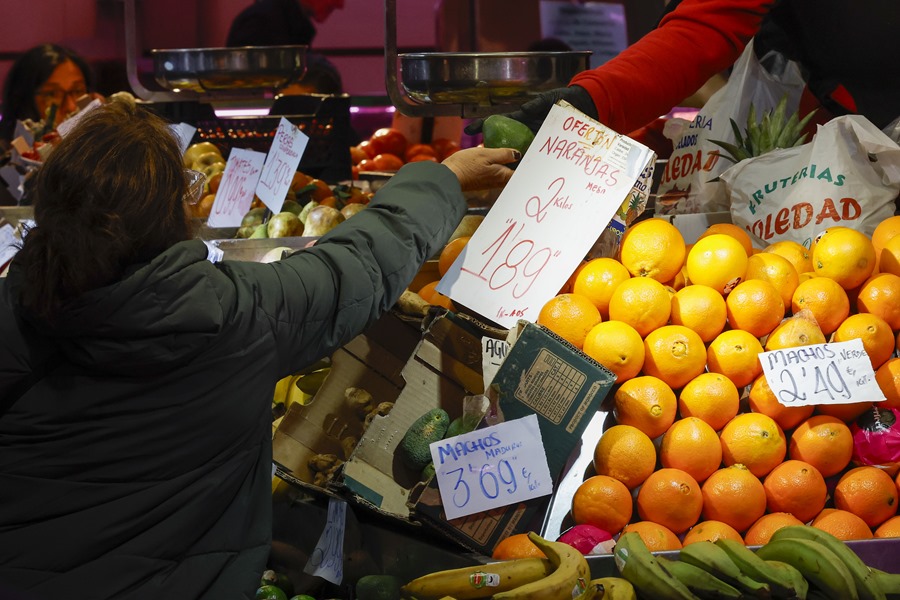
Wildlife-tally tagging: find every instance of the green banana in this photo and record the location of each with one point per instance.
(756, 568)
(616, 588)
(714, 559)
(817, 563)
(798, 581)
(702, 583)
(643, 570)
(889, 583)
(569, 577)
(479, 581)
(862, 576)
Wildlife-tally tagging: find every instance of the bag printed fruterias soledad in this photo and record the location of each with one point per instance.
(688, 183)
(848, 176)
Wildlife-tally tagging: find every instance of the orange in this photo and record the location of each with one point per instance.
(734, 496)
(710, 531)
(647, 403)
(653, 248)
(515, 546)
(618, 347)
(732, 230)
(880, 296)
(777, 270)
(674, 354)
(845, 412)
(799, 330)
(718, 261)
(625, 453)
(691, 445)
(842, 524)
(889, 529)
(700, 308)
(889, 256)
(671, 498)
(755, 441)
(430, 295)
(761, 531)
(570, 316)
(845, 255)
(597, 279)
(641, 302)
(825, 299)
(807, 276)
(762, 400)
(755, 306)
(888, 378)
(735, 354)
(711, 397)
(603, 502)
(655, 536)
(795, 253)
(875, 333)
(884, 232)
(867, 492)
(450, 252)
(824, 442)
(678, 282)
(796, 487)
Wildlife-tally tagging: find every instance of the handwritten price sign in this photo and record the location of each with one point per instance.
(236, 188)
(287, 149)
(492, 467)
(327, 559)
(565, 191)
(837, 373)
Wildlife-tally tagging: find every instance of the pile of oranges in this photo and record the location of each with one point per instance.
(700, 447)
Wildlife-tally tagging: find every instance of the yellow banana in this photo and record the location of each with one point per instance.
(479, 581)
(817, 563)
(862, 577)
(712, 558)
(750, 564)
(311, 382)
(616, 588)
(702, 583)
(569, 578)
(640, 567)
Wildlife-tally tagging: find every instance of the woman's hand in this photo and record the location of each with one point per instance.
(482, 168)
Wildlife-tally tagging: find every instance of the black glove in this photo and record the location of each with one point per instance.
(533, 112)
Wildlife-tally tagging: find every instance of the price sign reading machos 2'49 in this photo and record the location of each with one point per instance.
(237, 187)
(281, 164)
(567, 188)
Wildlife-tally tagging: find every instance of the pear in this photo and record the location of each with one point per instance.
(351, 209)
(291, 206)
(244, 232)
(259, 232)
(253, 217)
(284, 224)
(306, 208)
(321, 220)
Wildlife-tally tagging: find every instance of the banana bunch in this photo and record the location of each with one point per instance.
(564, 574)
(798, 562)
(771, 132)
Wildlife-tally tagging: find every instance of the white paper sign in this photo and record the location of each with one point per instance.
(570, 183)
(833, 373)
(8, 243)
(287, 148)
(491, 467)
(596, 26)
(327, 560)
(66, 126)
(184, 133)
(493, 352)
(235, 194)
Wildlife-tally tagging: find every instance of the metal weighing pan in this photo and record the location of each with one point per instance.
(486, 78)
(218, 70)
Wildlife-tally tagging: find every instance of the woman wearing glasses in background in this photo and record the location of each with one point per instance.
(42, 77)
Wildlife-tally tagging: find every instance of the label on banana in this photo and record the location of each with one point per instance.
(480, 579)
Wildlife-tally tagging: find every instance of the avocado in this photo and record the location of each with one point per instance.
(501, 131)
(378, 587)
(428, 428)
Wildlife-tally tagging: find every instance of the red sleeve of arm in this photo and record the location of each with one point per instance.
(695, 41)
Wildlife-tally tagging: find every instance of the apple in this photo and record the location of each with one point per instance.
(321, 220)
(196, 150)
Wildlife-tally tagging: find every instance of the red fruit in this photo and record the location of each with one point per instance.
(367, 165)
(419, 150)
(422, 157)
(367, 148)
(357, 155)
(444, 147)
(388, 141)
(387, 162)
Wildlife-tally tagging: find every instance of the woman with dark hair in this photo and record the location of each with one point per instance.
(43, 76)
(136, 376)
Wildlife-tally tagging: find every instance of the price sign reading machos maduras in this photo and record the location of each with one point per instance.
(287, 148)
(491, 467)
(833, 373)
(567, 188)
(235, 194)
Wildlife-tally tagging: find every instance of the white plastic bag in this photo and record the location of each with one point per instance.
(848, 175)
(687, 184)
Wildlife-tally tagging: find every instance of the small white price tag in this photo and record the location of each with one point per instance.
(833, 373)
(492, 467)
(573, 179)
(327, 560)
(281, 164)
(66, 126)
(235, 194)
(184, 133)
(492, 354)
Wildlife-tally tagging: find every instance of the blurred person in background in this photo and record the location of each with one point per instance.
(136, 376)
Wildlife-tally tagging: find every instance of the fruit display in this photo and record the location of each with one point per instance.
(387, 149)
